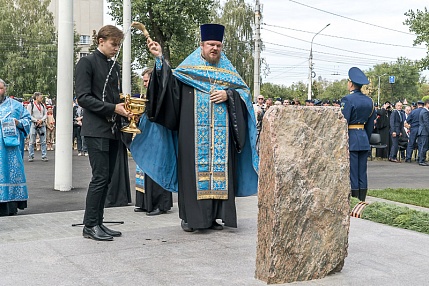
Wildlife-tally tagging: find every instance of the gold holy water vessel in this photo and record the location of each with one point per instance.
(137, 106)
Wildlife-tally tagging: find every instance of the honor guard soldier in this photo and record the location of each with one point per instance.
(358, 109)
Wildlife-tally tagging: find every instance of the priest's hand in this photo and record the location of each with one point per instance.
(154, 48)
(218, 96)
(120, 109)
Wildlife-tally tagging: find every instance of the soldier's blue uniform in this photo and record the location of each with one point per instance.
(413, 120)
(358, 109)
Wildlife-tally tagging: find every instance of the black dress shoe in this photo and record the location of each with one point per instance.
(185, 226)
(155, 212)
(216, 226)
(109, 231)
(139, 210)
(407, 160)
(96, 233)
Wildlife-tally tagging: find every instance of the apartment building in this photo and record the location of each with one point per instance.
(87, 15)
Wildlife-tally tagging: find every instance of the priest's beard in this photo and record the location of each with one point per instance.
(212, 61)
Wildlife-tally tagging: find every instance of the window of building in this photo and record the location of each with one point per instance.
(81, 55)
(84, 40)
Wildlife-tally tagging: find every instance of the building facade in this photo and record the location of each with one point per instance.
(87, 16)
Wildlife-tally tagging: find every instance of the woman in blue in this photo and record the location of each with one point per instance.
(358, 109)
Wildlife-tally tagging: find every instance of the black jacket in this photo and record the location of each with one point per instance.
(91, 74)
(396, 122)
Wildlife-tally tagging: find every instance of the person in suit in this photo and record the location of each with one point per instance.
(413, 125)
(423, 134)
(97, 91)
(396, 125)
(358, 110)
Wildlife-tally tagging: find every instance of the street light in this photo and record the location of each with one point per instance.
(379, 76)
(310, 74)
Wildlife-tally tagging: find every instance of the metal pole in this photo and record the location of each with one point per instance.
(378, 99)
(310, 65)
(64, 106)
(126, 52)
(379, 76)
(257, 62)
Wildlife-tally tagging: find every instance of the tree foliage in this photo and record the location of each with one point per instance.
(238, 18)
(174, 24)
(418, 23)
(335, 90)
(407, 81)
(28, 59)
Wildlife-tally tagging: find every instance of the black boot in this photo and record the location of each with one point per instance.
(362, 194)
(355, 193)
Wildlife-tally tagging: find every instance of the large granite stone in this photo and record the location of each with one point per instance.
(304, 188)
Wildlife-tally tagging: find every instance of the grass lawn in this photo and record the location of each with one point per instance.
(393, 215)
(417, 197)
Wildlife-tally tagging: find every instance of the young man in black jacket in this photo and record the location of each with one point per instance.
(97, 91)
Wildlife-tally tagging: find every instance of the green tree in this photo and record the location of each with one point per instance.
(270, 90)
(335, 90)
(423, 90)
(298, 91)
(29, 54)
(407, 80)
(238, 17)
(173, 24)
(418, 23)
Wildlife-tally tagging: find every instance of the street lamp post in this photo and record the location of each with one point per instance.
(310, 65)
(378, 98)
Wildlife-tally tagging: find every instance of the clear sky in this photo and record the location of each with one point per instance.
(361, 33)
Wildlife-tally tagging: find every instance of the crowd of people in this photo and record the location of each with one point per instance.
(404, 130)
(398, 126)
(199, 134)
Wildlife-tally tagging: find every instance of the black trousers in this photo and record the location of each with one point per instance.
(102, 158)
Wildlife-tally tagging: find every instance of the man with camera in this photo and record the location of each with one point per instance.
(38, 113)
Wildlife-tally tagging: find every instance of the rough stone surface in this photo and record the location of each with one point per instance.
(304, 187)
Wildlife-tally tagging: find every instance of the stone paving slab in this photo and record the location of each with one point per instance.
(44, 249)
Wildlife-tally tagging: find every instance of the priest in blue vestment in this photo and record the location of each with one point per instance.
(15, 126)
(199, 134)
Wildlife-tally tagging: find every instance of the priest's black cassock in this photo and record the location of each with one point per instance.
(172, 105)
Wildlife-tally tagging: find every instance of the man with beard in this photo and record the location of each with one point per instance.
(208, 106)
(150, 197)
(15, 126)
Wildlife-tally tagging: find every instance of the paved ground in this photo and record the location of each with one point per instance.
(40, 178)
(40, 246)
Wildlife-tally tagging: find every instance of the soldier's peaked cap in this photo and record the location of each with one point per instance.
(357, 76)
